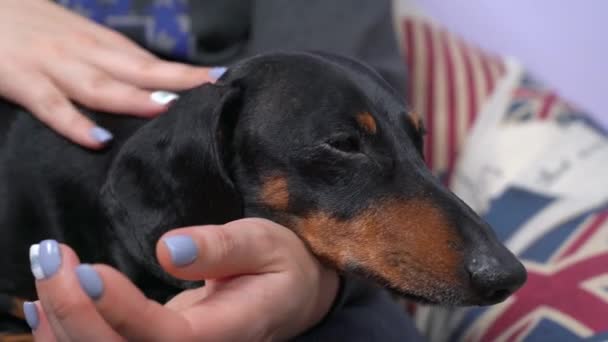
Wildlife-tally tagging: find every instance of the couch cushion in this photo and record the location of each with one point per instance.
(535, 168)
(450, 81)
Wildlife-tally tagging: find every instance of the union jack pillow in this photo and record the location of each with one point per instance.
(535, 168)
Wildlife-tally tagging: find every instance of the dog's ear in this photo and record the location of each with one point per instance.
(173, 172)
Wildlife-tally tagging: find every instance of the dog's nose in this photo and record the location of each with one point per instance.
(495, 277)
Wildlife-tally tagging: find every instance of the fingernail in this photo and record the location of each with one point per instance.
(31, 314)
(45, 259)
(163, 97)
(182, 249)
(217, 72)
(101, 134)
(90, 281)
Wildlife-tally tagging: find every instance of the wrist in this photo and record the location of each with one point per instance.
(320, 306)
(329, 289)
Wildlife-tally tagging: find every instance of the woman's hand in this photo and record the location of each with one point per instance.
(49, 56)
(262, 284)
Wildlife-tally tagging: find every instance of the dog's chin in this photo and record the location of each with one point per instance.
(437, 297)
(413, 298)
(446, 295)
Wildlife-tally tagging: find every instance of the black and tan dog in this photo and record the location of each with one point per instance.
(318, 143)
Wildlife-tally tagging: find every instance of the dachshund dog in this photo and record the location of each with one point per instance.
(318, 143)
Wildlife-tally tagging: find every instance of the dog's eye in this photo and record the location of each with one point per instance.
(348, 144)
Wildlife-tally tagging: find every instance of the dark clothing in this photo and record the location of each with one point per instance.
(212, 32)
(221, 32)
(363, 312)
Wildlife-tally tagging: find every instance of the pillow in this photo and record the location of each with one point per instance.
(535, 168)
(449, 82)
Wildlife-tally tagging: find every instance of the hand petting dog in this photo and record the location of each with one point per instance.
(336, 158)
(250, 265)
(70, 58)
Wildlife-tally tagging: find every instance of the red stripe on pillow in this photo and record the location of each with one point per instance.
(547, 105)
(430, 92)
(470, 83)
(449, 81)
(589, 228)
(451, 102)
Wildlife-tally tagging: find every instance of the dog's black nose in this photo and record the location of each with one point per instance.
(495, 277)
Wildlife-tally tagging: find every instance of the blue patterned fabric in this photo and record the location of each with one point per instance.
(566, 295)
(160, 25)
(547, 201)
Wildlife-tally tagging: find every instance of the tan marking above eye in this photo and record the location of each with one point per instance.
(367, 122)
(275, 193)
(415, 119)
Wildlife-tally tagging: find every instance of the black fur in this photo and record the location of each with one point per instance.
(204, 162)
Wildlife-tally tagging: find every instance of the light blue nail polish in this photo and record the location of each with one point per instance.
(182, 249)
(217, 72)
(49, 258)
(101, 134)
(90, 281)
(31, 314)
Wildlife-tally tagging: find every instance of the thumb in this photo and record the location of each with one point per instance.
(247, 246)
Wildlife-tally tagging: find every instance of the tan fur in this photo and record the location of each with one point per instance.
(17, 308)
(16, 338)
(408, 244)
(367, 122)
(275, 193)
(416, 120)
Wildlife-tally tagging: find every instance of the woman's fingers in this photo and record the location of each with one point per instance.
(126, 61)
(51, 106)
(251, 265)
(149, 72)
(94, 88)
(247, 246)
(142, 319)
(36, 319)
(81, 302)
(254, 264)
(50, 57)
(68, 309)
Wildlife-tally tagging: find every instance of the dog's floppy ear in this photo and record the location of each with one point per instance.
(173, 172)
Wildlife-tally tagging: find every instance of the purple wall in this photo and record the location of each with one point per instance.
(564, 43)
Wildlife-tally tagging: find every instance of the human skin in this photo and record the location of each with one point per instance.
(262, 284)
(51, 58)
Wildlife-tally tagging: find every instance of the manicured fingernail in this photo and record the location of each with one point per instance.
(101, 134)
(217, 72)
(182, 249)
(31, 314)
(90, 281)
(45, 259)
(163, 97)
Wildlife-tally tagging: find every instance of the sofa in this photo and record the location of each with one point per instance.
(534, 166)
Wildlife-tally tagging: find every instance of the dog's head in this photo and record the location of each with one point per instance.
(322, 145)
